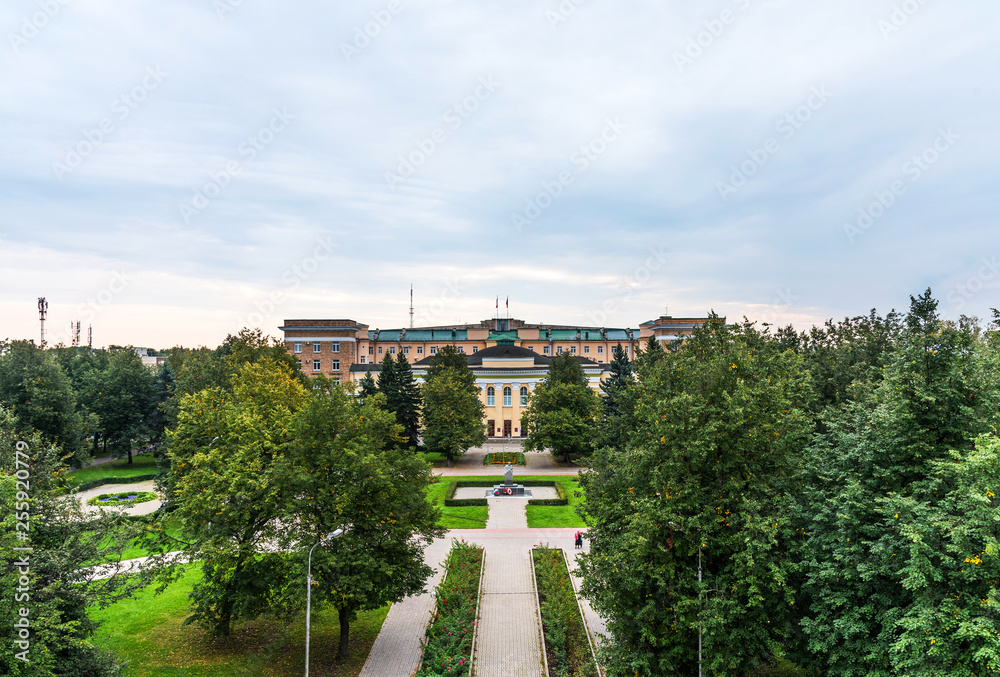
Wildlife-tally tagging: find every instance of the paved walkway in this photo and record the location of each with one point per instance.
(508, 639)
(397, 649)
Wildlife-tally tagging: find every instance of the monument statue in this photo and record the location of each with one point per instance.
(508, 474)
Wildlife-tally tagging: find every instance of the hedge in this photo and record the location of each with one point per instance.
(93, 484)
(514, 457)
(458, 502)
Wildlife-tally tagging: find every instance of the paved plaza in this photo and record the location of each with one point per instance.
(508, 639)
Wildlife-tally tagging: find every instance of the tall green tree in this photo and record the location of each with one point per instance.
(122, 395)
(618, 401)
(690, 525)
(340, 472)
(62, 583)
(563, 418)
(41, 394)
(367, 387)
(448, 357)
(897, 510)
(565, 368)
(223, 456)
(453, 412)
(408, 403)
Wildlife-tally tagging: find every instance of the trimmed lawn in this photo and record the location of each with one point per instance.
(141, 465)
(435, 458)
(539, 516)
(146, 631)
(465, 517)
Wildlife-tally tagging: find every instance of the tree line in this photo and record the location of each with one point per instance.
(826, 496)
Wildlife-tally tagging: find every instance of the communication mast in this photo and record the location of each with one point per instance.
(90, 336)
(74, 330)
(43, 311)
(411, 305)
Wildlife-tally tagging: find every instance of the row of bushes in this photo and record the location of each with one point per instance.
(448, 649)
(504, 457)
(452, 502)
(567, 647)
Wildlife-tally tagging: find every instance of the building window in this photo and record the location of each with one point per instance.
(315, 365)
(392, 350)
(336, 379)
(461, 349)
(335, 366)
(434, 350)
(406, 350)
(371, 350)
(364, 359)
(420, 350)
(524, 396)
(475, 349)
(380, 350)
(490, 396)
(335, 346)
(298, 346)
(558, 350)
(316, 347)
(586, 350)
(600, 349)
(572, 350)
(506, 396)
(545, 350)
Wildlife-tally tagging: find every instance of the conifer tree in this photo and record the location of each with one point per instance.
(366, 387)
(408, 409)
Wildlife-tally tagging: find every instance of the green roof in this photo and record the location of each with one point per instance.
(503, 335)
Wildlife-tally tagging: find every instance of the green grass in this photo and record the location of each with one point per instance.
(435, 458)
(539, 516)
(466, 517)
(146, 631)
(141, 465)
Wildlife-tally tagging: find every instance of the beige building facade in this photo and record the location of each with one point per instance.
(508, 357)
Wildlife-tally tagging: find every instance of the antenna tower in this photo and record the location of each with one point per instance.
(90, 336)
(74, 330)
(43, 312)
(411, 305)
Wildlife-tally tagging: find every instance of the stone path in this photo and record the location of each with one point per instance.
(508, 640)
(397, 650)
(507, 512)
(138, 509)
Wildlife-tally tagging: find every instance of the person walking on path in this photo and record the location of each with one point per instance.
(578, 543)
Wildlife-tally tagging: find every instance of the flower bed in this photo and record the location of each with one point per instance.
(503, 458)
(124, 498)
(567, 647)
(448, 650)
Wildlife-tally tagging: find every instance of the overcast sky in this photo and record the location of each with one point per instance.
(173, 171)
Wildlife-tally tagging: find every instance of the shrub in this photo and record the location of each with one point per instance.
(567, 646)
(503, 458)
(123, 498)
(449, 638)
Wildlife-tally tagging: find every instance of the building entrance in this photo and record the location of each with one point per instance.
(507, 427)
(491, 428)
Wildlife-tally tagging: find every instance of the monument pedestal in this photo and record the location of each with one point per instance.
(510, 490)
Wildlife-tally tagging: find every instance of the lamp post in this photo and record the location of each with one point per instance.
(326, 539)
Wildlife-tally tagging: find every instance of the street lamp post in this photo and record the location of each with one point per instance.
(322, 541)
